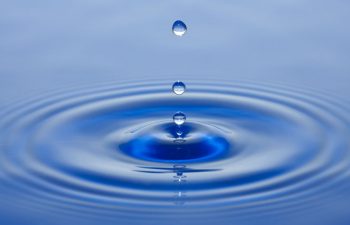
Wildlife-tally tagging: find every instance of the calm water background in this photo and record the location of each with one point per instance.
(48, 46)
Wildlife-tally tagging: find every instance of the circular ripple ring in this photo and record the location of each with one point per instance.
(242, 146)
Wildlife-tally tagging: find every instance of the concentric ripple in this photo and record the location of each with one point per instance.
(161, 143)
(249, 146)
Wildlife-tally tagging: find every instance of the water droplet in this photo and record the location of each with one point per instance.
(179, 132)
(179, 28)
(179, 87)
(179, 118)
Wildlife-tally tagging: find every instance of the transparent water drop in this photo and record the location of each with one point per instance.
(179, 132)
(179, 87)
(179, 118)
(179, 28)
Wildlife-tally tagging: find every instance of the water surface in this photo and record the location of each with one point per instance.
(86, 120)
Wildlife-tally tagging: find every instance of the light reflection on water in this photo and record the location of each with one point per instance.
(252, 148)
(85, 111)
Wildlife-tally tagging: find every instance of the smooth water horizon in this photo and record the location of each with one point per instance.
(108, 115)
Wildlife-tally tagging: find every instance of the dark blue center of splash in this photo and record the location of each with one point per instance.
(161, 144)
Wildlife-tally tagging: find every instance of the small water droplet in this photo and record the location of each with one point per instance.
(179, 118)
(179, 28)
(179, 132)
(179, 87)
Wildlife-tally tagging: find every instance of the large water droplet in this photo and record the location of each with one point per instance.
(179, 28)
(179, 88)
(179, 118)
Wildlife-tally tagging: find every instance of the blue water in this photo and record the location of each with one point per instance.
(86, 113)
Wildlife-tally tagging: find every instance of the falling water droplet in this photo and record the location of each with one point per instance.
(179, 28)
(179, 118)
(179, 87)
